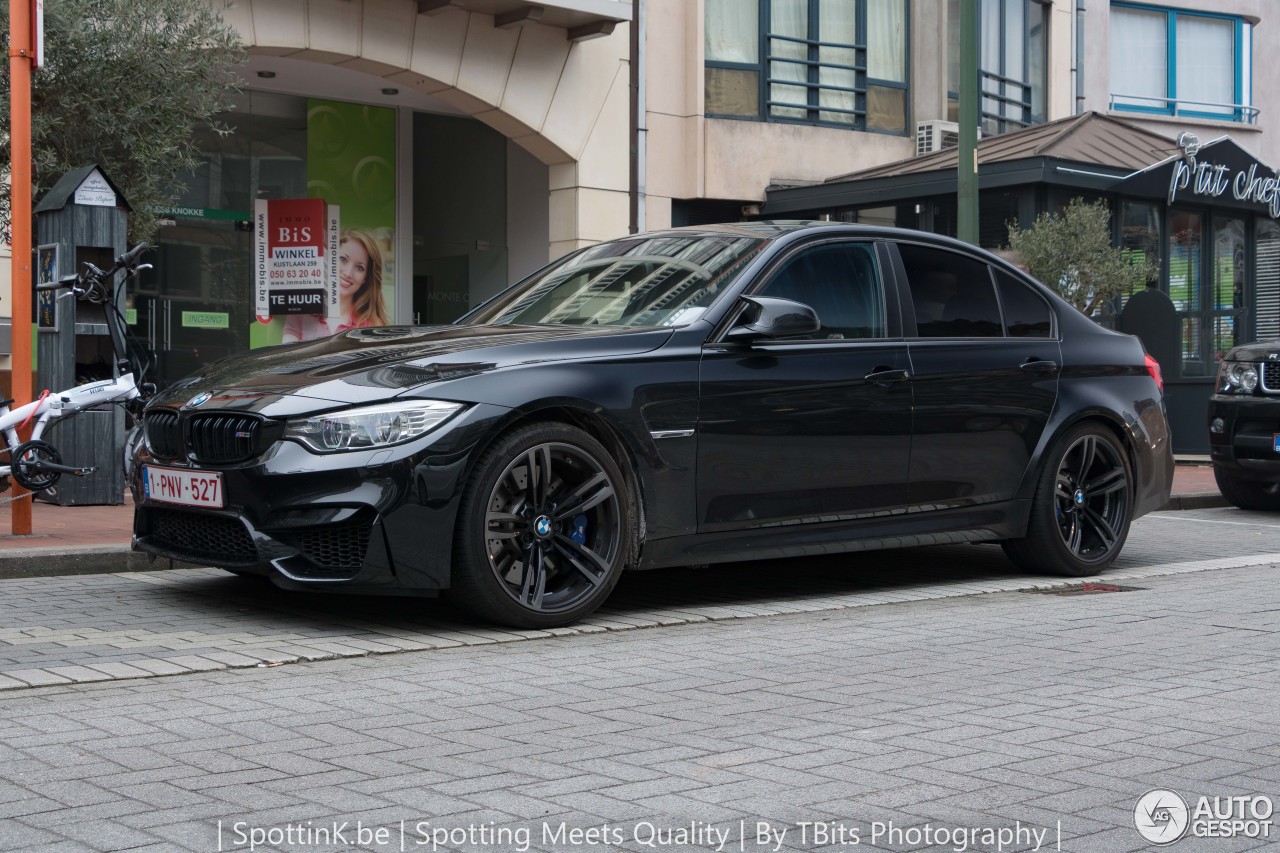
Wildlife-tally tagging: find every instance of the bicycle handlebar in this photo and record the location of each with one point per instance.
(93, 281)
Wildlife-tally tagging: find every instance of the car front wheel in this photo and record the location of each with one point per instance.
(1082, 506)
(544, 528)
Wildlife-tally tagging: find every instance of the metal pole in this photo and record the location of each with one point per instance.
(20, 280)
(967, 164)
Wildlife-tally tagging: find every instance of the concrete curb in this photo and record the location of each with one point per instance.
(1198, 500)
(76, 560)
(105, 559)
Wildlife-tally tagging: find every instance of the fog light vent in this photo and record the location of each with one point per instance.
(1218, 425)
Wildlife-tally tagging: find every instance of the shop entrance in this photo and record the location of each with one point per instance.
(195, 307)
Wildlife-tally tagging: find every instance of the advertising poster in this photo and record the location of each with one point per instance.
(351, 160)
(292, 259)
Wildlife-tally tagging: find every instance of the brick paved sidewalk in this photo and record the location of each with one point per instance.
(1046, 712)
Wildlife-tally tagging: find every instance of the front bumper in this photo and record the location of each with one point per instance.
(367, 521)
(1246, 443)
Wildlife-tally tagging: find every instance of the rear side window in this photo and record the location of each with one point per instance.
(1026, 314)
(952, 293)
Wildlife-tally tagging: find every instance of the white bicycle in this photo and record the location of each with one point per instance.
(35, 464)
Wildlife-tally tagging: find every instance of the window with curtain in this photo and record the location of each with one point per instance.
(1013, 43)
(831, 62)
(1175, 62)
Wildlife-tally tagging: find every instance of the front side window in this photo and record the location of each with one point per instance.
(1174, 62)
(832, 62)
(839, 281)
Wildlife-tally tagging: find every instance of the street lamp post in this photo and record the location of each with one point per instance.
(21, 18)
(967, 154)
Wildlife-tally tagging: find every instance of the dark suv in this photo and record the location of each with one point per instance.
(1244, 426)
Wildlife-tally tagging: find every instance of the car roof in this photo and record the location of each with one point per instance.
(774, 229)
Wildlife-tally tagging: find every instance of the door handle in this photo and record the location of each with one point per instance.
(885, 377)
(1039, 365)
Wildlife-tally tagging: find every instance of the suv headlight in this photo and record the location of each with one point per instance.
(370, 426)
(1237, 377)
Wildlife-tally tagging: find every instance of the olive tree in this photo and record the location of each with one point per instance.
(125, 84)
(1071, 252)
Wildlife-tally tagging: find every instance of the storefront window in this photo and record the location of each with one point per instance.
(1139, 236)
(1229, 271)
(1184, 287)
(1267, 280)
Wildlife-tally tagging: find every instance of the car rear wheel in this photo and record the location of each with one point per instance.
(544, 528)
(1081, 509)
(1247, 494)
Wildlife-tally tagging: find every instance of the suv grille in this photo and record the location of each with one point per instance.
(210, 438)
(1271, 376)
(209, 537)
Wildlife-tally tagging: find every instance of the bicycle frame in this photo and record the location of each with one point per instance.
(35, 463)
(62, 404)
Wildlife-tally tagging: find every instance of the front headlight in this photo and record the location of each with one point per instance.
(1237, 377)
(370, 426)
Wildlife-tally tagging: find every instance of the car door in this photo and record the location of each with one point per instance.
(813, 428)
(985, 380)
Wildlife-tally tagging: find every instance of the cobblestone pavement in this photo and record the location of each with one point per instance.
(100, 627)
(1028, 713)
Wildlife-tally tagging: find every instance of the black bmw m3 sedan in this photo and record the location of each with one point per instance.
(679, 397)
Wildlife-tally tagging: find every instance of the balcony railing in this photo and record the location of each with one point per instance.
(823, 101)
(1182, 107)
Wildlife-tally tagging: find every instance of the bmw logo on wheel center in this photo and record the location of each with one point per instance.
(542, 526)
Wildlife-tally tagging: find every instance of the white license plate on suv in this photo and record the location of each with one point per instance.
(187, 488)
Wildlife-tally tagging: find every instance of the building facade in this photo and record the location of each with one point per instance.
(475, 140)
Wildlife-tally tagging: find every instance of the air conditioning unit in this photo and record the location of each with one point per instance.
(935, 135)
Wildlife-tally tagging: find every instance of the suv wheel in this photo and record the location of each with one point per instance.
(1247, 494)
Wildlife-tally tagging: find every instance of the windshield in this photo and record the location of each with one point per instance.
(648, 280)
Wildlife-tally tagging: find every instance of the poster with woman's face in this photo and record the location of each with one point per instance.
(350, 163)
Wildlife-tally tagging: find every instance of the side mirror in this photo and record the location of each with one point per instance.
(768, 317)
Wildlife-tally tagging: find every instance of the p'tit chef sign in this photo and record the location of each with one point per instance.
(295, 257)
(1250, 183)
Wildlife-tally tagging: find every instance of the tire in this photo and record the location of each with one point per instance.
(1082, 506)
(1247, 494)
(516, 560)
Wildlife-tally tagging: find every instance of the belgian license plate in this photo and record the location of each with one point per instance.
(1276, 439)
(187, 488)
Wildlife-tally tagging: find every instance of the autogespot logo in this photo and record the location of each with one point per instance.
(1161, 816)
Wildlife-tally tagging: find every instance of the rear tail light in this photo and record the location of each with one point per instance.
(1153, 367)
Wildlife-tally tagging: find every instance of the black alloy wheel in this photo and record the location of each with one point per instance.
(544, 529)
(1082, 507)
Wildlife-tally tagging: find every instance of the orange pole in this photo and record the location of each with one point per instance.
(20, 281)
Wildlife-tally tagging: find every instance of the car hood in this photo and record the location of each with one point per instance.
(368, 365)
(1269, 351)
